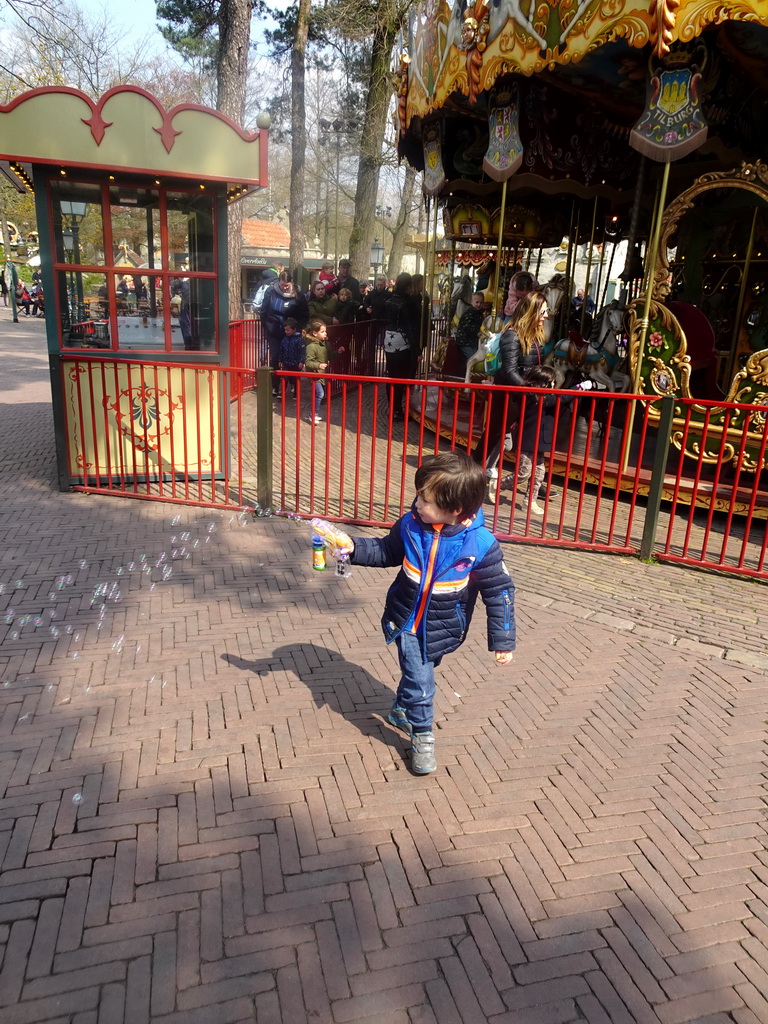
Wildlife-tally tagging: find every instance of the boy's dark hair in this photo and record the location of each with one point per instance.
(455, 482)
(539, 376)
(290, 322)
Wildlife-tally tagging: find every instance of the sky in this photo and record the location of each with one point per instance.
(137, 17)
(140, 16)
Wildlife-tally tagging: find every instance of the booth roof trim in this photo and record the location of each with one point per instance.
(128, 129)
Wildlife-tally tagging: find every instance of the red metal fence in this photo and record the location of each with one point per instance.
(203, 435)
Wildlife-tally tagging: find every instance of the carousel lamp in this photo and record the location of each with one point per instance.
(202, 186)
(111, 177)
(62, 172)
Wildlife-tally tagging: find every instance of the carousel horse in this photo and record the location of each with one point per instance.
(477, 359)
(461, 297)
(555, 292)
(599, 357)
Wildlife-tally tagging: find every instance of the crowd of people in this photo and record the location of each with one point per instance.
(336, 298)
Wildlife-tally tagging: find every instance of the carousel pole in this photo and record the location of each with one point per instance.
(589, 269)
(742, 293)
(654, 239)
(652, 255)
(566, 299)
(632, 233)
(497, 304)
(538, 261)
(608, 274)
(600, 269)
(426, 321)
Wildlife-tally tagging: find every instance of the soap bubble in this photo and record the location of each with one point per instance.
(83, 564)
(176, 520)
(19, 584)
(77, 798)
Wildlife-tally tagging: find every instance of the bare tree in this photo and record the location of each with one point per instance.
(218, 32)
(403, 223)
(298, 133)
(231, 76)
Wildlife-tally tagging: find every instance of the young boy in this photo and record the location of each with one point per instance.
(468, 330)
(448, 557)
(291, 349)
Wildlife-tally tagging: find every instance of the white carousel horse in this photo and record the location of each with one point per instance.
(461, 297)
(476, 358)
(599, 358)
(555, 291)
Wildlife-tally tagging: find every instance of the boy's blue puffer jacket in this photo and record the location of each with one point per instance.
(440, 577)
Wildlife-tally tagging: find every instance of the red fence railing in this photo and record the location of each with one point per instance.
(171, 432)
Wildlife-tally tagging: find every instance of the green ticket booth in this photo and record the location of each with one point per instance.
(131, 203)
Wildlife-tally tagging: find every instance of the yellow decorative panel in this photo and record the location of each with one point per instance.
(138, 421)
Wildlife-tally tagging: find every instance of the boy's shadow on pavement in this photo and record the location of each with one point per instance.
(341, 685)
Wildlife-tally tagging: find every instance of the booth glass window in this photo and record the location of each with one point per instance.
(83, 309)
(78, 223)
(135, 267)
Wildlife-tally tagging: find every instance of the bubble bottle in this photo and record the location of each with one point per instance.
(318, 552)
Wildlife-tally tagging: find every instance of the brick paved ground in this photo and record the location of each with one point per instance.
(203, 817)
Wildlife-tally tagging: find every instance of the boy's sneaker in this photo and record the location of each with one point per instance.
(398, 718)
(423, 753)
(536, 509)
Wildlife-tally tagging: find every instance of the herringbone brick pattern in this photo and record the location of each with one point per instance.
(204, 817)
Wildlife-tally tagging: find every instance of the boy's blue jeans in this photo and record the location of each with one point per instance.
(416, 689)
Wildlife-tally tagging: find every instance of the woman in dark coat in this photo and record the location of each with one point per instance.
(520, 347)
(401, 337)
(282, 300)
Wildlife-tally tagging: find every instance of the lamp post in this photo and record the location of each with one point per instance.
(74, 212)
(333, 133)
(377, 255)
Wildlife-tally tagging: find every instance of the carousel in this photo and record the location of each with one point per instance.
(615, 155)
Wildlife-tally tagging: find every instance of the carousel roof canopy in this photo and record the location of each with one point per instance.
(129, 130)
(579, 90)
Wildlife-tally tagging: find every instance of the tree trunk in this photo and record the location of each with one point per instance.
(400, 234)
(298, 134)
(374, 125)
(231, 76)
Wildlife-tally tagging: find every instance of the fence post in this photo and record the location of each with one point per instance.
(656, 487)
(264, 436)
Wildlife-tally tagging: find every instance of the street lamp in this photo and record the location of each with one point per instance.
(377, 255)
(333, 133)
(70, 237)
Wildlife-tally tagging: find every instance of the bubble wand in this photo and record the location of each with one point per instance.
(332, 537)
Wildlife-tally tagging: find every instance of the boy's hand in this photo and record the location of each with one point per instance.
(341, 350)
(344, 544)
(504, 657)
